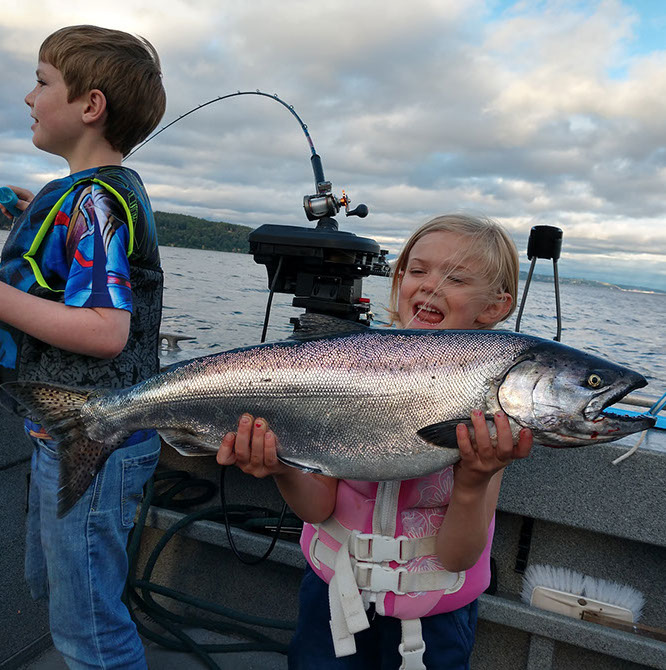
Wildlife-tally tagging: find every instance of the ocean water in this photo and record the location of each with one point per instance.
(219, 299)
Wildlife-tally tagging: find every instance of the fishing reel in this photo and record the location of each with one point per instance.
(322, 267)
(324, 204)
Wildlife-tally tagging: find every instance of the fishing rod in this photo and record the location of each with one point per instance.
(324, 203)
(274, 96)
(322, 267)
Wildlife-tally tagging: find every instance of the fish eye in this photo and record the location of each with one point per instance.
(595, 381)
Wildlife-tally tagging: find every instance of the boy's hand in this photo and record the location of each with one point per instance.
(25, 197)
(253, 448)
(482, 457)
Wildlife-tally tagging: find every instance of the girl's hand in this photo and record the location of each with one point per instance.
(482, 457)
(253, 448)
(25, 197)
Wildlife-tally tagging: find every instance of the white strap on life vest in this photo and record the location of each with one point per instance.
(368, 571)
(379, 548)
(412, 646)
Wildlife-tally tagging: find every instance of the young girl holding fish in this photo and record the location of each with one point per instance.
(402, 562)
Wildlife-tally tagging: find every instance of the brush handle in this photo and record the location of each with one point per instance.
(640, 629)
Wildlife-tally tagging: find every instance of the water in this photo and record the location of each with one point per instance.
(220, 299)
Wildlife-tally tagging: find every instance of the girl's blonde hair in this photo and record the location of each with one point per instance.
(488, 242)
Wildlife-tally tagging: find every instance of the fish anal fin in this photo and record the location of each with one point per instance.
(301, 466)
(187, 443)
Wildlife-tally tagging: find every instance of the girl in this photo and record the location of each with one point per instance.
(402, 563)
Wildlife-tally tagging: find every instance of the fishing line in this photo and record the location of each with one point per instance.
(654, 411)
(171, 622)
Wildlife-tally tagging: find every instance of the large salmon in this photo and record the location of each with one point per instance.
(374, 406)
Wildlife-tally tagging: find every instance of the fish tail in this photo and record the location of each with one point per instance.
(58, 409)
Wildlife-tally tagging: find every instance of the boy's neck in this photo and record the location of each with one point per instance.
(94, 156)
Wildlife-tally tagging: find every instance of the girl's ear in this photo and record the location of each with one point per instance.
(495, 311)
(94, 108)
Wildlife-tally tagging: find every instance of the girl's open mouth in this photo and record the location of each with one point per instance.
(427, 314)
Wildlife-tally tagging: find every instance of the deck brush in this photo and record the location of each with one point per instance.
(573, 594)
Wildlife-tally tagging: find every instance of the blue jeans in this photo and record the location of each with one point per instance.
(449, 637)
(80, 562)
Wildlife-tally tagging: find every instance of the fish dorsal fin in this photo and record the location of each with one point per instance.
(312, 326)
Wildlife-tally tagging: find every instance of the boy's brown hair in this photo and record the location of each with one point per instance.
(124, 67)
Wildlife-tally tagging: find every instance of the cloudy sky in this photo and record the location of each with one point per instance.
(529, 112)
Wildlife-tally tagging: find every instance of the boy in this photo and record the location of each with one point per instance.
(80, 304)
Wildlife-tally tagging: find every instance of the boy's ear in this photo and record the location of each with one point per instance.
(94, 107)
(495, 311)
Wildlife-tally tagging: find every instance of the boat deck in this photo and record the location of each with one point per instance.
(159, 658)
(586, 514)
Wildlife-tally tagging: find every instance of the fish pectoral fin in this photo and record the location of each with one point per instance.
(443, 434)
(186, 443)
(301, 466)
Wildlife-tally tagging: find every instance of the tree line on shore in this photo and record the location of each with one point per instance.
(182, 230)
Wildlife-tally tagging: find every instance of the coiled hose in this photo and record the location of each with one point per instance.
(139, 591)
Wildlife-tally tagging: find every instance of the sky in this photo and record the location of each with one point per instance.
(529, 112)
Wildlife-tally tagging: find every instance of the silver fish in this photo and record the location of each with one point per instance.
(375, 406)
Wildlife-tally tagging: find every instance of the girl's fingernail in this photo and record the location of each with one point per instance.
(245, 418)
(499, 415)
(229, 435)
(477, 412)
(258, 424)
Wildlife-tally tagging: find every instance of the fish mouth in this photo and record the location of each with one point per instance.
(612, 423)
(595, 408)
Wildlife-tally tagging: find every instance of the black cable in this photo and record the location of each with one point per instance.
(184, 482)
(270, 299)
(227, 526)
(171, 622)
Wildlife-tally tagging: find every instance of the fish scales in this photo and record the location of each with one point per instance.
(369, 378)
(378, 405)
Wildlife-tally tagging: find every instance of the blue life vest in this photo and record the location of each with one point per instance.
(23, 357)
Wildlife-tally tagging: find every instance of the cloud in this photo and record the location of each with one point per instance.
(547, 113)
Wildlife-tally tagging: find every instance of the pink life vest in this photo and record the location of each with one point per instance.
(412, 509)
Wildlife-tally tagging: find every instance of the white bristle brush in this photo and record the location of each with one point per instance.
(570, 593)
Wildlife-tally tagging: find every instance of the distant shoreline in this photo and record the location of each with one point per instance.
(192, 232)
(593, 282)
